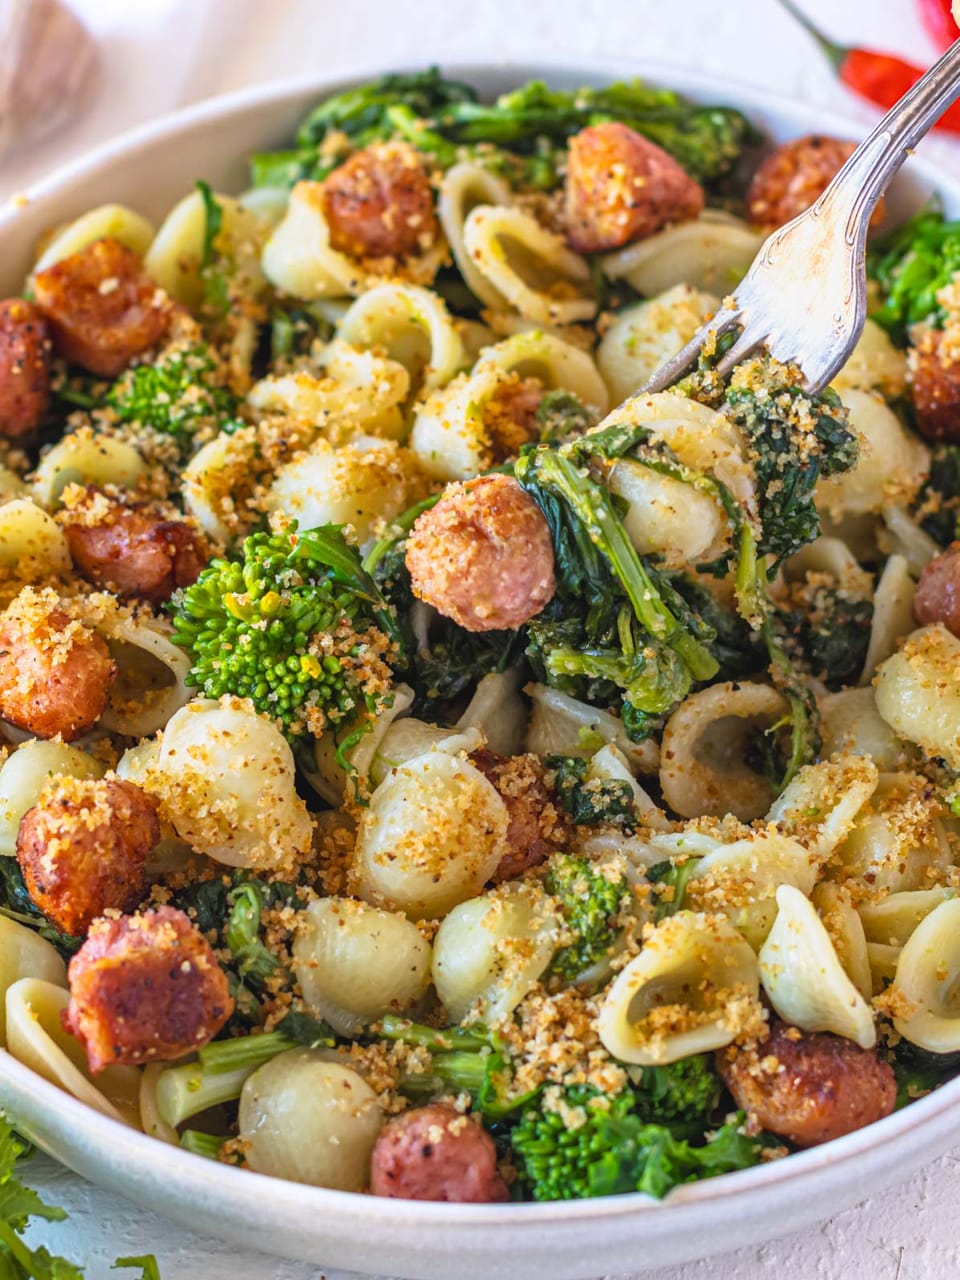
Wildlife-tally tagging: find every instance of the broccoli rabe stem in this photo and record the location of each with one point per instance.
(437, 1040)
(217, 1077)
(201, 1144)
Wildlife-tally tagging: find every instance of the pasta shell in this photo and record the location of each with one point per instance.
(926, 978)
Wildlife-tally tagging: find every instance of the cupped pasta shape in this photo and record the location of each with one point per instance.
(682, 994)
(490, 951)
(81, 457)
(151, 1120)
(711, 252)
(917, 692)
(498, 712)
(298, 258)
(668, 518)
(901, 535)
(463, 187)
(927, 978)
(35, 1037)
(113, 220)
(804, 979)
(892, 920)
(32, 544)
(835, 906)
(883, 959)
(328, 777)
(24, 954)
(175, 258)
(530, 267)
(898, 841)
(560, 725)
(170, 853)
(409, 737)
(820, 805)
(850, 724)
(357, 484)
(644, 336)
(151, 683)
(354, 963)
(828, 554)
(891, 466)
(217, 480)
(875, 364)
(309, 1120)
(892, 614)
(26, 771)
(432, 836)
(410, 326)
(703, 753)
(226, 777)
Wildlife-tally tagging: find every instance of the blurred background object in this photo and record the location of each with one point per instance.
(48, 70)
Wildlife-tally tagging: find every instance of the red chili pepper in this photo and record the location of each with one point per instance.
(937, 17)
(881, 78)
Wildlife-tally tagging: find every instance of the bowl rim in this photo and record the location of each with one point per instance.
(191, 1172)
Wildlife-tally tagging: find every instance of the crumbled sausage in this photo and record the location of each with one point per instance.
(102, 307)
(933, 374)
(622, 187)
(794, 176)
(380, 203)
(55, 672)
(510, 415)
(24, 368)
(435, 1153)
(937, 598)
(134, 553)
(535, 827)
(83, 849)
(145, 988)
(483, 556)
(809, 1088)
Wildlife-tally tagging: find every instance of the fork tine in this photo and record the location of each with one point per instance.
(687, 356)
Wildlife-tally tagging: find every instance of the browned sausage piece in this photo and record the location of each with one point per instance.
(535, 827)
(937, 597)
(102, 307)
(145, 988)
(483, 556)
(435, 1153)
(380, 203)
(621, 187)
(132, 552)
(933, 374)
(809, 1088)
(55, 673)
(510, 415)
(24, 368)
(793, 176)
(83, 849)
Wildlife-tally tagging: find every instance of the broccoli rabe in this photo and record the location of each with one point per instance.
(591, 801)
(522, 135)
(669, 879)
(179, 393)
(911, 265)
(796, 440)
(829, 634)
(586, 1144)
(938, 503)
(683, 1092)
(296, 625)
(561, 416)
(919, 1072)
(591, 898)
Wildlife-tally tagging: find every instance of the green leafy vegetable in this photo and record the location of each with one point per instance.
(16, 904)
(911, 265)
(178, 394)
(830, 635)
(938, 503)
(686, 1091)
(216, 295)
(591, 801)
(669, 880)
(591, 899)
(287, 626)
(149, 1269)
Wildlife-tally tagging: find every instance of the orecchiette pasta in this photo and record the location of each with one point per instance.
(434, 831)
(355, 963)
(892, 614)
(893, 919)
(874, 365)
(24, 954)
(897, 841)
(926, 982)
(24, 774)
(804, 978)
(820, 805)
(85, 458)
(463, 188)
(114, 220)
(679, 994)
(710, 252)
(412, 327)
(31, 542)
(175, 257)
(918, 694)
(845, 928)
(646, 335)
(560, 725)
(850, 724)
(891, 466)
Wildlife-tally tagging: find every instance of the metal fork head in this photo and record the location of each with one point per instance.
(805, 297)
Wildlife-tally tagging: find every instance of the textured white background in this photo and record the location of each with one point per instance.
(162, 53)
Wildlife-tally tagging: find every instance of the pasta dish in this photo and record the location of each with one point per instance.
(431, 767)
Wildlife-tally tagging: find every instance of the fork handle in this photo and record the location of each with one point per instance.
(867, 174)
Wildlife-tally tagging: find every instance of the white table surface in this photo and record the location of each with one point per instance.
(162, 53)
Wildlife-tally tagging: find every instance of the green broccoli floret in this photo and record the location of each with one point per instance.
(296, 625)
(586, 1144)
(591, 801)
(796, 440)
(911, 266)
(683, 1092)
(938, 503)
(590, 900)
(829, 634)
(179, 393)
(669, 879)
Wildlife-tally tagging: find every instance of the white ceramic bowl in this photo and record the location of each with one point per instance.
(150, 169)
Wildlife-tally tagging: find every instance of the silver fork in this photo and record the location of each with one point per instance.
(805, 296)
